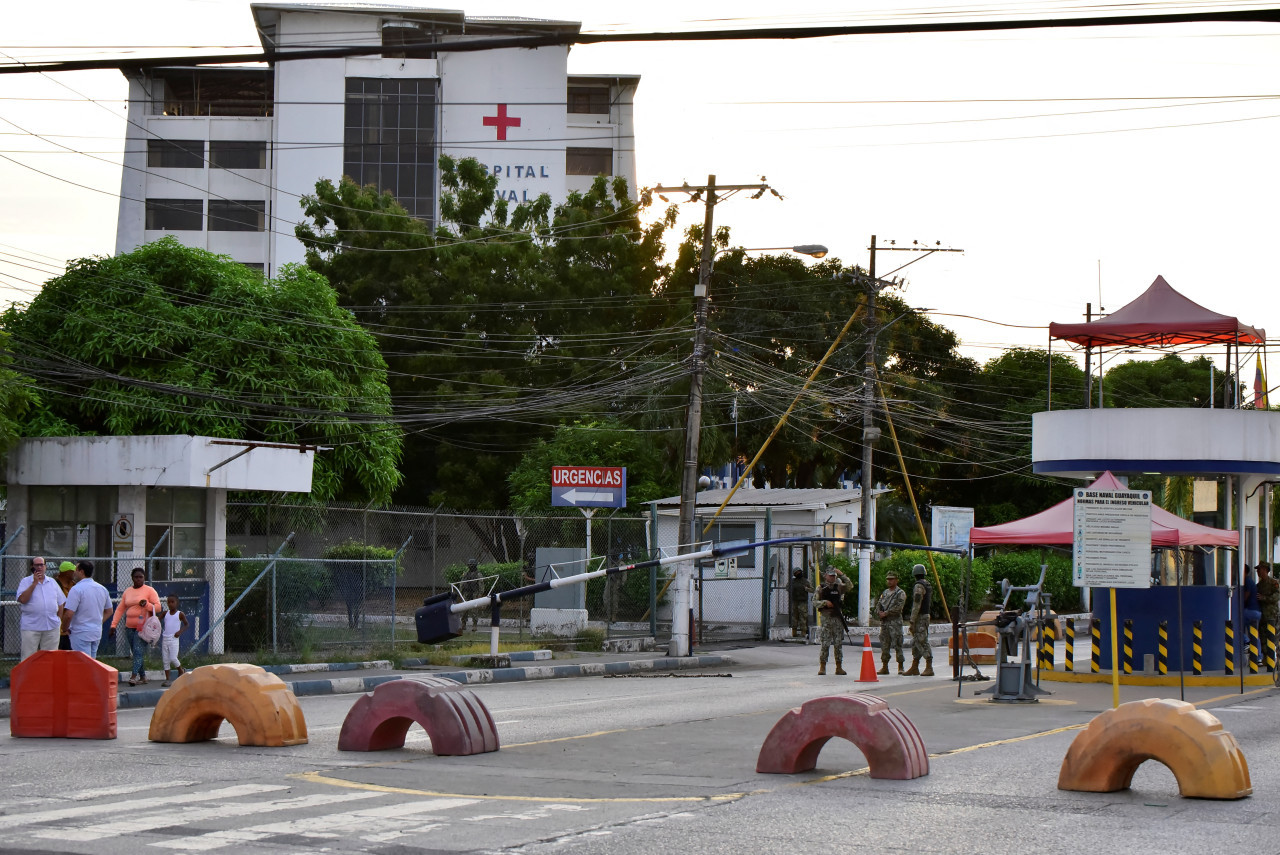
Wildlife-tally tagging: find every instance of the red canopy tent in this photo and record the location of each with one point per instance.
(1159, 317)
(1055, 525)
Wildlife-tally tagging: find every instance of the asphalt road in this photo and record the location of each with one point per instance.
(637, 765)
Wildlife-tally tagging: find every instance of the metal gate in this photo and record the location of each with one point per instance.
(785, 560)
(728, 598)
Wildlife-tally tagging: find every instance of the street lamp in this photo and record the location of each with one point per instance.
(687, 533)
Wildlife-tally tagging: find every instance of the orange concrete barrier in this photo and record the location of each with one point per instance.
(1204, 758)
(63, 693)
(260, 706)
(887, 738)
(455, 719)
(982, 647)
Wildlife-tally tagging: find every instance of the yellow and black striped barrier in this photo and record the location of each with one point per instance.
(1162, 648)
(1127, 656)
(1197, 648)
(1230, 649)
(1047, 644)
(1095, 640)
(1253, 648)
(1269, 645)
(1069, 644)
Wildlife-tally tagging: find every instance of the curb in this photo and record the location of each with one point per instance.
(355, 685)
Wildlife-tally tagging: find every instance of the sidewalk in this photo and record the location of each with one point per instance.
(303, 679)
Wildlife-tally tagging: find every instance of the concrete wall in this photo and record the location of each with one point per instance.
(158, 461)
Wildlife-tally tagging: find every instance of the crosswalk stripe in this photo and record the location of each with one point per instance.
(80, 811)
(387, 819)
(135, 822)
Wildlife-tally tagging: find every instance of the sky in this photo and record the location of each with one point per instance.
(1071, 167)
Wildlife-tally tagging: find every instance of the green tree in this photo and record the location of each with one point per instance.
(17, 396)
(173, 340)
(501, 322)
(1169, 381)
(591, 443)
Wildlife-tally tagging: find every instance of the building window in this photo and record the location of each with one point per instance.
(588, 161)
(231, 215)
(71, 522)
(176, 524)
(175, 154)
(589, 99)
(398, 35)
(728, 532)
(238, 154)
(255, 266)
(390, 139)
(214, 92)
(175, 215)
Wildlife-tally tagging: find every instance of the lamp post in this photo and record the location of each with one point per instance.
(687, 534)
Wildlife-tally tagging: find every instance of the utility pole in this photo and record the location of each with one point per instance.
(871, 433)
(687, 532)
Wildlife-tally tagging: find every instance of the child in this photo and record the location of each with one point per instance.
(175, 623)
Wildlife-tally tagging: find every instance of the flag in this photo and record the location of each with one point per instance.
(1260, 387)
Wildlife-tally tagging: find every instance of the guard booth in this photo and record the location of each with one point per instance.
(156, 502)
(746, 597)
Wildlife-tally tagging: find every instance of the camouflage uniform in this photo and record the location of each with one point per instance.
(799, 591)
(831, 630)
(889, 607)
(1269, 602)
(921, 599)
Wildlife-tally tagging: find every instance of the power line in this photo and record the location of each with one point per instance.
(1259, 15)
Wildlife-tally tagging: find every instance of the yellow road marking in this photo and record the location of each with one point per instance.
(318, 778)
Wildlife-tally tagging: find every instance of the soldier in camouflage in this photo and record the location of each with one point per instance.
(799, 591)
(921, 601)
(889, 607)
(831, 632)
(1269, 602)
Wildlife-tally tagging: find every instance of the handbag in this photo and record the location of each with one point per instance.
(150, 629)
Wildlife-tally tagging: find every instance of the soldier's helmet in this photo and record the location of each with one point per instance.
(471, 564)
(918, 571)
(890, 575)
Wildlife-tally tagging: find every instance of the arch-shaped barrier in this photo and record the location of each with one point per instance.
(887, 738)
(455, 719)
(260, 706)
(1205, 759)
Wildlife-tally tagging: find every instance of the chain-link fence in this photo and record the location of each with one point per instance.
(351, 577)
(348, 569)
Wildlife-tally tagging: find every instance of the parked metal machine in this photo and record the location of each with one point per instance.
(1018, 628)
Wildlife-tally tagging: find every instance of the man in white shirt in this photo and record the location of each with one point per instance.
(40, 602)
(88, 605)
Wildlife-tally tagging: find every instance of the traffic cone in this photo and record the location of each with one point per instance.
(868, 674)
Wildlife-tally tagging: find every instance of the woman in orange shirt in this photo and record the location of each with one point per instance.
(136, 605)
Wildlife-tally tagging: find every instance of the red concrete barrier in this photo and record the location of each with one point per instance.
(63, 693)
(1205, 759)
(457, 721)
(886, 737)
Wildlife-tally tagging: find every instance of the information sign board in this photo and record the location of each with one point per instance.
(1111, 547)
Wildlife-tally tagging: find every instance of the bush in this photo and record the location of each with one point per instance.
(355, 569)
(1023, 568)
(248, 628)
(510, 574)
(951, 570)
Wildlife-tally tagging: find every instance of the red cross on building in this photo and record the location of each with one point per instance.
(502, 121)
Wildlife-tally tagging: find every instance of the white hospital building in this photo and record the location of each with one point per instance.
(220, 156)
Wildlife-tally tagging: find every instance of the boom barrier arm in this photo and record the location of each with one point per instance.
(437, 620)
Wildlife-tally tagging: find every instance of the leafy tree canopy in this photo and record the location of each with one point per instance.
(590, 443)
(173, 340)
(502, 322)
